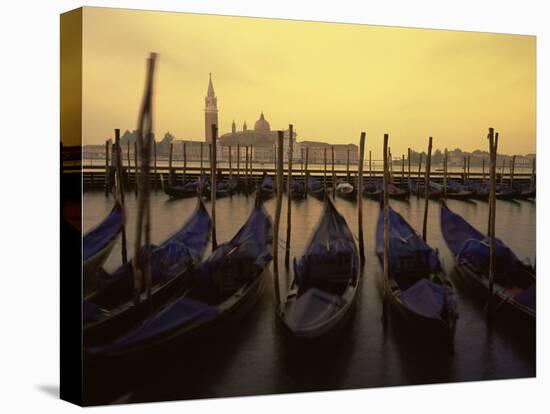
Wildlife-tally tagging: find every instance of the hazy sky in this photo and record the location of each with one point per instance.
(331, 81)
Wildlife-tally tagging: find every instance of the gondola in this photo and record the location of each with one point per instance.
(436, 190)
(480, 190)
(99, 241)
(397, 193)
(297, 189)
(417, 287)
(457, 191)
(372, 189)
(189, 189)
(226, 286)
(315, 187)
(525, 192)
(514, 282)
(346, 191)
(326, 279)
(267, 187)
(505, 192)
(110, 311)
(224, 188)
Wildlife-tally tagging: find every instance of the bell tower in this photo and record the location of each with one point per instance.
(210, 111)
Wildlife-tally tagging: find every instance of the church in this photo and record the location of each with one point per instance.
(261, 136)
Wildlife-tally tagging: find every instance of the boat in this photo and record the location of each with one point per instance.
(99, 241)
(436, 190)
(372, 189)
(267, 187)
(297, 189)
(189, 189)
(225, 287)
(346, 190)
(224, 188)
(505, 192)
(326, 279)
(457, 191)
(315, 187)
(525, 192)
(514, 280)
(480, 190)
(397, 193)
(110, 310)
(417, 287)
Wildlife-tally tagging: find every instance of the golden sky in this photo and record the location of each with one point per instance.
(331, 81)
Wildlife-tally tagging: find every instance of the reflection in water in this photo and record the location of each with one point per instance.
(255, 356)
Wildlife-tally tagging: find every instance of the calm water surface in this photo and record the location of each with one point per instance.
(255, 358)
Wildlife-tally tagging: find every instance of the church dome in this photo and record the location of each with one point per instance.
(261, 124)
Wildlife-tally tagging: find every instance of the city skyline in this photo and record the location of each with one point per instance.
(318, 76)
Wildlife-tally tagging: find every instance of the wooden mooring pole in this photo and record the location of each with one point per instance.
(280, 142)
(136, 173)
(288, 198)
(107, 171)
(418, 178)
(427, 190)
(183, 178)
(306, 171)
(239, 165)
(170, 171)
(120, 185)
(386, 219)
(445, 175)
(347, 165)
(409, 170)
(155, 175)
(493, 143)
(360, 197)
(230, 166)
(213, 182)
(333, 172)
(325, 170)
(247, 184)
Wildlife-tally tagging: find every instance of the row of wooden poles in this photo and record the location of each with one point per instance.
(304, 160)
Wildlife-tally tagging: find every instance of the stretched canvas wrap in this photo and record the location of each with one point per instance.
(257, 206)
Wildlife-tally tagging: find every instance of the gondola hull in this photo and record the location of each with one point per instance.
(192, 336)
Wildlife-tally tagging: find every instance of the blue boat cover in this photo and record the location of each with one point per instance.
(427, 298)
(528, 297)
(410, 257)
(184, 311)
(251, 245)
(267, 183)
(470, 246)
(296, 186)
(104, 233)
(173, 257)
(252, 242)
(314, 184)
(315, 306)
(331, 252)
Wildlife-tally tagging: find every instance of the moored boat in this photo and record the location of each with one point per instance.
(315, 187)
(326, 279)
(225, 286)
(346, 191)
(110, 311)
(417, 287)
(514, 281)
(99, 241)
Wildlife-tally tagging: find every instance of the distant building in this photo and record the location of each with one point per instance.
(210, 111)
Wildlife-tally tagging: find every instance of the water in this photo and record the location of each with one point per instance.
(256, 358)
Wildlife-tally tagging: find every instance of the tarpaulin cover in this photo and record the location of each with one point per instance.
(267, 183)
(471, 246)
(312, 308)
(193, 185)
(314, 184)
(528, 297)
(331, 247)
(170, 259)
(427, 298)
(409, 254)
(344, 187)
(251, 245)
(184, 311)
(104, 233)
